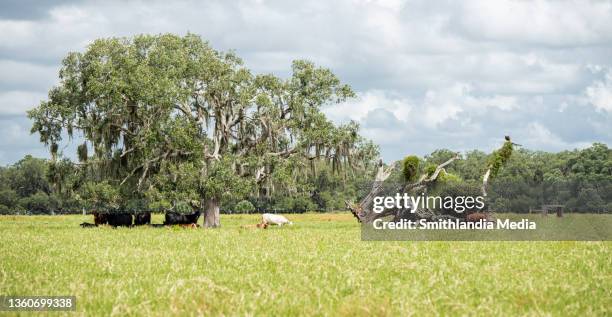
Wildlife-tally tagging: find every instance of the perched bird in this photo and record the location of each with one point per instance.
(507, 137)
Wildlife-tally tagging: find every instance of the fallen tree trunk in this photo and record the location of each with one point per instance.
(364, 212)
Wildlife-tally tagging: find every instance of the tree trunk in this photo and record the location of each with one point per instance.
(485, 182)
(211, 213)
(363, 211)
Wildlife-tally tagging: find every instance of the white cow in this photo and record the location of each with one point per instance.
(275, 219)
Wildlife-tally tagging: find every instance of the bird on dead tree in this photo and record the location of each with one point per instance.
(507, 137)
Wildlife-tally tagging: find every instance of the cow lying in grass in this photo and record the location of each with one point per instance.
(262, 225)
(186, 226)
(478, 216)
(275, 219)
(190, 226)
(175, 218)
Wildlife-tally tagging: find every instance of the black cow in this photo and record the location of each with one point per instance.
(143, 218)
(175, 218)
(114, 219)
(120, 220)
(100, 218)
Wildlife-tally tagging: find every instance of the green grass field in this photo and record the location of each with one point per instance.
(319, 266)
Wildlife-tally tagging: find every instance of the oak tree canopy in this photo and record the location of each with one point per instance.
(171, 120)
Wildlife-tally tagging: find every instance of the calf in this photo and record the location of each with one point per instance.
(87, 225)
(275, 219)
(175, 218)
(143, 218)
(477, 216)
(262, 225)
(190, 226)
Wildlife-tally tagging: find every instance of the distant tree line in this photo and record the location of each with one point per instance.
(42, 186)
(580, 179)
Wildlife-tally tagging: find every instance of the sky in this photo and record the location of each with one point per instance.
(428, 74)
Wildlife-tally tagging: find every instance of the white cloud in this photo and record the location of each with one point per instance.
(599, 93)
(537, 135)
(27, 76)
(358, 108)
(16, 33)
(444, 104)
(458, 74)
(18, 102)
(556, 23)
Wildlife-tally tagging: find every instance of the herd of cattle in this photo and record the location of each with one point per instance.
(142, 219)
(191, 220)
(170, 219)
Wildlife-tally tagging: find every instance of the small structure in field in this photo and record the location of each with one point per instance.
(558, 209)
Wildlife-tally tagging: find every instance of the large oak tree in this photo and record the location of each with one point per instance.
(172, 120)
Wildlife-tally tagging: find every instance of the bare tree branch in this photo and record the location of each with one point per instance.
(364, 211)
(485, 182)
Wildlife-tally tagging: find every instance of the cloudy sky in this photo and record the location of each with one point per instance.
(445, 74)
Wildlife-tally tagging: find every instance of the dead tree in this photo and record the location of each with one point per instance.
(364, 212)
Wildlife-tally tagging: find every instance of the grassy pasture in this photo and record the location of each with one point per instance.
(319, 266)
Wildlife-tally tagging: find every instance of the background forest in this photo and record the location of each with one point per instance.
(580, 179)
